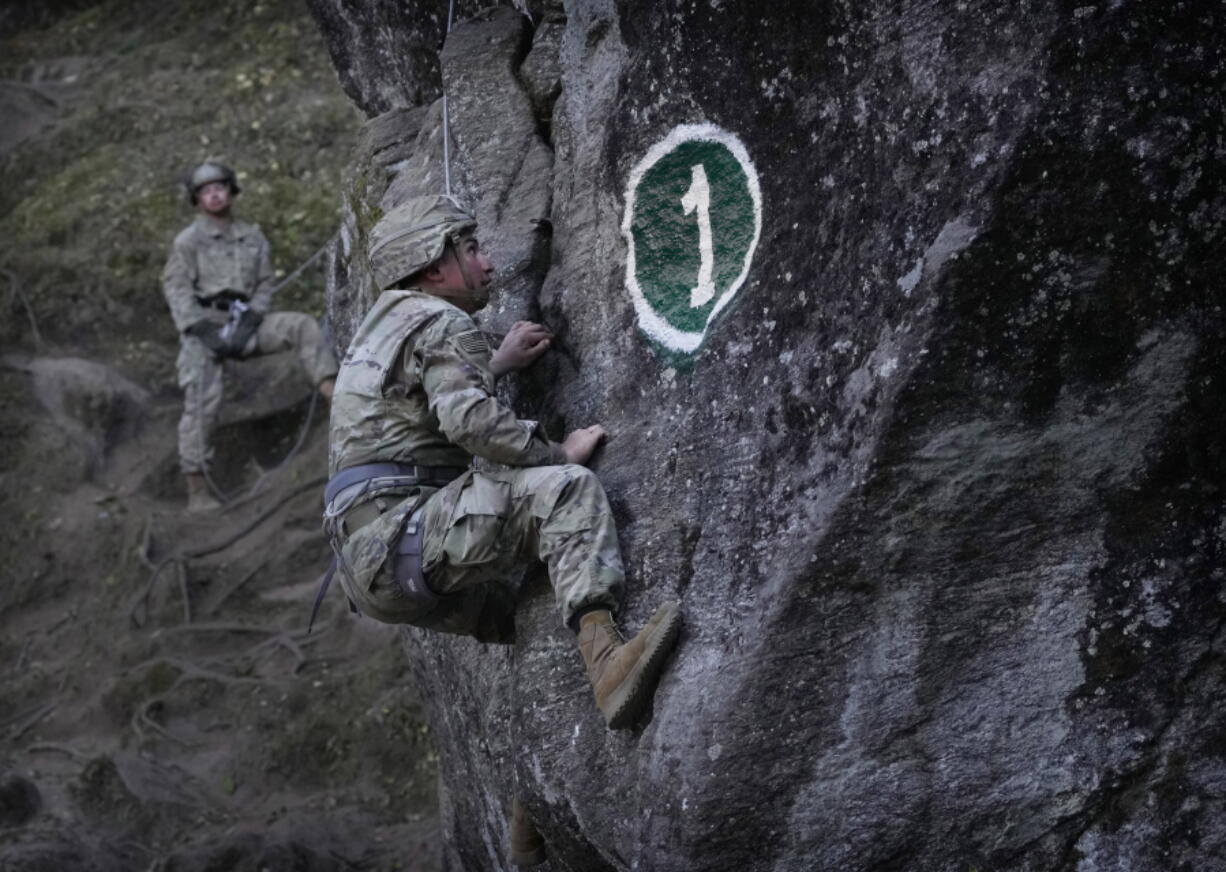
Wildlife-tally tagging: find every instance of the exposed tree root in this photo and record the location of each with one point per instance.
(141, 721)
(24, 722)
(213, 548)
(234, 588)
(56, 748)
(17, 292)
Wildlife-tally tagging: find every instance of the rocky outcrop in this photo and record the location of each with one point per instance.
(935, 463)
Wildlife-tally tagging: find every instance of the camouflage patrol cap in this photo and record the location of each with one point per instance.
(413, 235)
(208, 172)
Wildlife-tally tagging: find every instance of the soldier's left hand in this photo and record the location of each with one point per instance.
(524, 343)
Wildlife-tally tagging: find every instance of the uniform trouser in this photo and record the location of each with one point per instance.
(483, 526)
(200, 376)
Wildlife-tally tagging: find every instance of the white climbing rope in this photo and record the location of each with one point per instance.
(446, 117)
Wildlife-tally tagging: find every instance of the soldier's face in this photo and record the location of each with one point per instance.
(466, 270)
(214, 198)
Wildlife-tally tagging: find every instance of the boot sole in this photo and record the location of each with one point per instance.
(626, 703)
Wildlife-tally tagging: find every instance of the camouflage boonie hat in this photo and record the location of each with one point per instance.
(207, 173)
(413, 235)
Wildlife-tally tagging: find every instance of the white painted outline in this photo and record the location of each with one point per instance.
(652, 324)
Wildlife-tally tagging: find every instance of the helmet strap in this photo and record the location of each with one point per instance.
(469, 284)
(472, 291)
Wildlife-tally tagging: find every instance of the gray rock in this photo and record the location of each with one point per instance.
(541, 72)
(941, 488)
(387, 54)
(499, 166)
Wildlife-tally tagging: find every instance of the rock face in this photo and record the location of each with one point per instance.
(939, 483)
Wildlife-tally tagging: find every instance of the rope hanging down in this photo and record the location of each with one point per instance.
(446, 118)
(310, 260)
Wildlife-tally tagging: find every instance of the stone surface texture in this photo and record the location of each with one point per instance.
(941, 493)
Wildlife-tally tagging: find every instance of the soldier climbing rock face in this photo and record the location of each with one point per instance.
(218, 283)
(422, 537)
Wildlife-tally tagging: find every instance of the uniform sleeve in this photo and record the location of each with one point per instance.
(265, 278)
(179, 286)
(455, 373)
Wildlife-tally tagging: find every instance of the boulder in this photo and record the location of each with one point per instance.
(906, 322)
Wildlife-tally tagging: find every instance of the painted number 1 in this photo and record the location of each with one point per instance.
(699, 197)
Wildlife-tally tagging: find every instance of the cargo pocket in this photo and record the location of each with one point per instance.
(571, 503)
(475, 530)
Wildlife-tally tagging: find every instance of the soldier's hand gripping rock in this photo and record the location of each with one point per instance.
(523, 344)
(580, 445)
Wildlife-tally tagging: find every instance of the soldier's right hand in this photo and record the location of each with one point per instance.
(524, 343)
(210, 334)
(579, 445)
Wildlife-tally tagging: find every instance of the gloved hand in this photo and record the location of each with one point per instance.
(237, 332)
(229, 339)
(210, 334)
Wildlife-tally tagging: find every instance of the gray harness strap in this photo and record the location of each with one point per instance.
(431, 475)
(406, 562)
(406, 567)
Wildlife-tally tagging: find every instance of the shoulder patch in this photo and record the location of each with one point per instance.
(472, 342)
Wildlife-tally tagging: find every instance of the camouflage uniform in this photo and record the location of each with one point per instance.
(416, 387)
(208, 260)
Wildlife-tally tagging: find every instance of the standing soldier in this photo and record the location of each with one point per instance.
(218, 283)
(421, 537)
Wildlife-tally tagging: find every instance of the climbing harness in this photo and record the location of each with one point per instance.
(349, 485)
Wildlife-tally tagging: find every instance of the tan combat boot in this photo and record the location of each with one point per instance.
(527, 844)
(623, 674)
(199, 500)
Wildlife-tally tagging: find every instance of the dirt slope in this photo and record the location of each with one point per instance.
(161, 706)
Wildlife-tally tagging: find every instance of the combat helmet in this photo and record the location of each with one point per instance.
(208, 172)
(414, 235)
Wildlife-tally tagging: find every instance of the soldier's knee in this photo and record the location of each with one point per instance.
(305, 322)
(296, 324)
(578, 475)
(578, 483)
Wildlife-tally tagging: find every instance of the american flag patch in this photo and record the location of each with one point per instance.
(473, 342)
